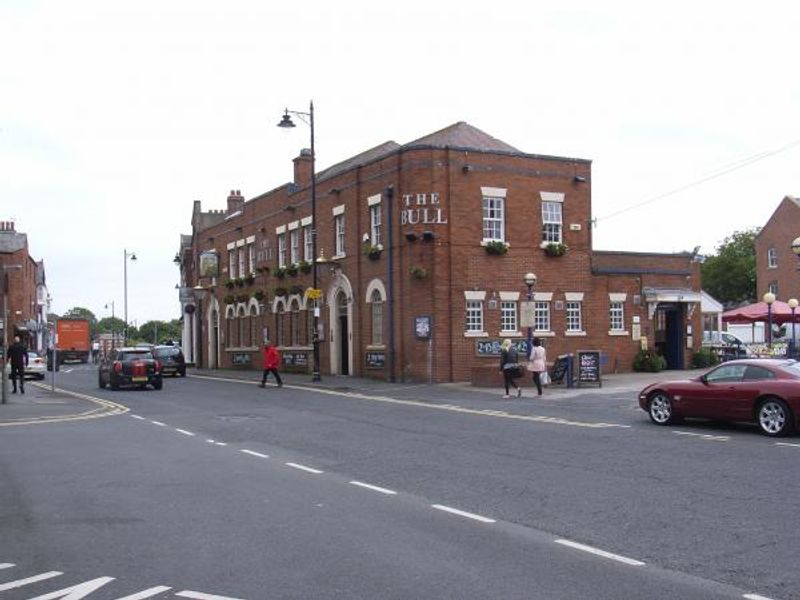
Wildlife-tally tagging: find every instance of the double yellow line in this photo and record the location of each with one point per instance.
(105, 408)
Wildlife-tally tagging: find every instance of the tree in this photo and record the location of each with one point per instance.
(110, 325)
(156, 332)
(730, 274)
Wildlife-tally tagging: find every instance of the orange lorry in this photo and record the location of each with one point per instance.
(74, 342)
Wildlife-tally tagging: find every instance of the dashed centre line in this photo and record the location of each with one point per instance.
(304, 468)
(258, 454)
(374, 488)
(787, 444)
(184, 432)
(462, 513)
(603, 553)
(705, 436)
(159, 423)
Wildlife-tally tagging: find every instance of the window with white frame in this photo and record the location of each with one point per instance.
(493, 219)
(508, 316)
(308, 244)
(376, 304)
(551, 222)
(574, 322)
(616, 315)
(339, 226)
(474, 315)
(541, 316)
(282, 250)
(251, 257)
(295, 323)
(294, 246)
(773, 287)
(375, 224)
(242, 262)
(279, 334)
(232, 264)
(772, 258)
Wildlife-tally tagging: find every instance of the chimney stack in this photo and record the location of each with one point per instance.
(7, 226)
(235, 201)
(302, 168)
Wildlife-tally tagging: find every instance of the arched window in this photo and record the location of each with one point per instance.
(294, 306)
(253, 327)
(376, 303)
(279, 337)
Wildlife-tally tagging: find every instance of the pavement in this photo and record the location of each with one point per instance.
(41, 404)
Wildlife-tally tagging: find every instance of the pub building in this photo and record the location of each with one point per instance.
(422, 255)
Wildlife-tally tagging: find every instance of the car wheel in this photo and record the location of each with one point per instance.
(158, 384)
(774, 417)
(660, 408)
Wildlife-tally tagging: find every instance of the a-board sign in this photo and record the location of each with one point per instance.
(376, 360)
(492, 348)
(559, 369)
(589, 367)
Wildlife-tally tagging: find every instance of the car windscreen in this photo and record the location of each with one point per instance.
(142, 355)
(163, 352)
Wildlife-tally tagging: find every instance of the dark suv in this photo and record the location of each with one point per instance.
(130, 367)
(172, 360)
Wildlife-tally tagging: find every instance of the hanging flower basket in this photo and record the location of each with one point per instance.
(418, 272)
(296, 289)
(373, 252)
(496, 247)
(291, 270)
(250, 279)
(305, 267)
(259, 295)
(229, 284)
(239, 281)
(280, 291)
(280, 272)
(554, 249)
(229, 299)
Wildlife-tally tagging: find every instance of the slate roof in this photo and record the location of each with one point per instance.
(463, 135)
(359, 159)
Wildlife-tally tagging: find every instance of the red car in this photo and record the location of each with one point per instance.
(764, 391)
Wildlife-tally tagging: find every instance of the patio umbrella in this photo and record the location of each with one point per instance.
(752, 313)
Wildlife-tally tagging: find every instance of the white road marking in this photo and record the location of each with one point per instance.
(183, 431)
(6, 565)
(303, 468)
(201, 596)
(20, 582)
(755, 597)
(210, 441)
(603, 553)
(76, 592)
(462, 513)
(373, 487)
(138, 417)
(220, 443)
(258, 454)
(159, 423)
(149, 593)
(787, 444)
(705, 436)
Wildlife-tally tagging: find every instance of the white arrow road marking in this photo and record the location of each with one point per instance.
(20, 582)
(154, 591)
(201, 596)
(603, 553)
(76, 592)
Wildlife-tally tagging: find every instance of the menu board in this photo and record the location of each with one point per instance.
(559, 370)
(589, 367)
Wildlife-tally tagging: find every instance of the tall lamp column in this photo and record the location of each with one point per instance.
(793, 303)
(530, 281)
(769, 298)
(286, 122)
(132, 256)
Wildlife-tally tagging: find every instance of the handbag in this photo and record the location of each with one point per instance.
(544, 378)
(515, 369)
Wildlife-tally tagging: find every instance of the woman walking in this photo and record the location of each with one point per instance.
(272, 361)
(509, 365)
(538, 363)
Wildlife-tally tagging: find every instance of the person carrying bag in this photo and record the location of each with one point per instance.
(538, 365)
(510, 367)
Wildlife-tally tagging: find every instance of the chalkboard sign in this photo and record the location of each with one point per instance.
(492, 348)
(376, 360)
(241, 358)
(589, 367)
(559, 370)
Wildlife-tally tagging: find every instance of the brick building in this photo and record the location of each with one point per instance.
(26, 290)
(430, 242)
(776, 264)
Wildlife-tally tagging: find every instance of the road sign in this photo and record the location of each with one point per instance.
(314, 294)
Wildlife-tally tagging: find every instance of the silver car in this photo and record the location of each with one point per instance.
(37, 366)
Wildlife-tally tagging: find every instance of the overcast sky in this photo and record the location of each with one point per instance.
(115, 116)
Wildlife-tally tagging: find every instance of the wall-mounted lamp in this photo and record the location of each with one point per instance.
(466, 169)
(579, 179)
(365, 237)
(411, 236)
(427, 236)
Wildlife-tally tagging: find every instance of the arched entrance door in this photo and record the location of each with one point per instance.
(342, 333)
(669, 332)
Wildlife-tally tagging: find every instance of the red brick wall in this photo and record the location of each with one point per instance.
(779, 232)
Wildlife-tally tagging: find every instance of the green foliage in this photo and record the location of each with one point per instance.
(703, 358)
(280, 291)
(553, 249)
(229, 299)
(305, 267)
(418, 272)
(649, 362)
(280, 272)
(730, 275)
(110, 325)
(157, 332)
(291, 269)
(496, 247)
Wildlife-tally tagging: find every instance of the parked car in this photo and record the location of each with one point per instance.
(764, 391)
(37, 366)
(124, 367)
(172, 360)
(734, 346)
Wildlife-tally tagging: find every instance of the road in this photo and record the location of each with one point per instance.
(216, 489)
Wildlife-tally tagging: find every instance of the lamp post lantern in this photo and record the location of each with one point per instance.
(126, 256)
(769, 298)
(530, 281)
(287, 123)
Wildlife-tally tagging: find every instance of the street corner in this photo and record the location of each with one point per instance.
(41, 404)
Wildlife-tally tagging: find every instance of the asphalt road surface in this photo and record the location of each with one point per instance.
(213, 490)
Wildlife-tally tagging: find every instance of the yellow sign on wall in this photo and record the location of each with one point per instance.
(313, 294)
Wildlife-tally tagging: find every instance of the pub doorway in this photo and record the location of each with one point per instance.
(669, 333)
(342, 333)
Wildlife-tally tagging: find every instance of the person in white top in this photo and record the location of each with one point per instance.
(538, 363)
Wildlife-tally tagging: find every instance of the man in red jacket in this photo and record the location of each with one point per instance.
(272, 361)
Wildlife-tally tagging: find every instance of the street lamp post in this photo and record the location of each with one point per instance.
(4, 378)
(131, 256)
(530, 281)
(286, 122)
(769, 298)
(793, 303)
